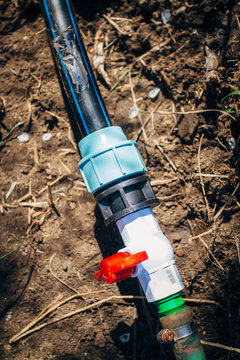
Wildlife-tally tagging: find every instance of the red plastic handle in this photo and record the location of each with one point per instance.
(119, 266)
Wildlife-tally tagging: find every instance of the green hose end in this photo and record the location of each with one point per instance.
(170, 305)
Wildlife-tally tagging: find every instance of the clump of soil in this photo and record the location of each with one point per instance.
(52, 234)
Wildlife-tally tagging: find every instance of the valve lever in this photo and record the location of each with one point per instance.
(119, 266)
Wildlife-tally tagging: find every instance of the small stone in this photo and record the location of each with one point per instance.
(133, 112)
(125, 338)
(153, 94)
(187, 127)
(46, 137)
(166, 16)
(232, 143)
(179, 253)
(23, 137)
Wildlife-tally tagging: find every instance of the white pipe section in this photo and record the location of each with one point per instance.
(158, 275)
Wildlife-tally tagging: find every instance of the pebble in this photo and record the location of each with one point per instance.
(125, 338)
(166, 16)
(133, 112)
(153, 94)
(179, 253)
(232, 143)
(46, 137)
(23, 137)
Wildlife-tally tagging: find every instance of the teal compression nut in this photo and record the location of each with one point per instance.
(107, 156)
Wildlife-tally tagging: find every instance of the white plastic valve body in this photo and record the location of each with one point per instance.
(158, 275)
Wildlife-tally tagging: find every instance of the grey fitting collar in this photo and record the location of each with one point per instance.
(184, 331)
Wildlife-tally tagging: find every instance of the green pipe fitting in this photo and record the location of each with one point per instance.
(175, 316)
(170, 305)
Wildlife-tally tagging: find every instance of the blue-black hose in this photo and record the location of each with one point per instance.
(80, 86)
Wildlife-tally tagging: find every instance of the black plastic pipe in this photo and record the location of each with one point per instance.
(113, 169)
(80, 86)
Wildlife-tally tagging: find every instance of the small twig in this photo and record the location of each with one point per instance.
(73, 313)
(170, 55)
(61, 177)
(40, 31)
(136, 106)
(25, 197)
(111, 43)
(148, 119)
(56, 116)
(201, 301)
(166, 156)
(162, 182)
(14, 72)
(60, 280)
(222, 145)
(29, 219)
(238, 251)
(226, 203)
(152, 118)
(70, 138)
(30, 210)
(211, 253)
(238, 203)
(116, 27)
(38, 80)
(156, 47)
(65, 166)
(195, 112)
(212, 176)
(238, 21)
(35, 204)
(29, 114)
(12, 187)
(30, 227)
(201, 179)
(162, 198)
(50, 198)
(220, 346)
(202, 234)
(47, 310)
(176, 121)
(121, 19)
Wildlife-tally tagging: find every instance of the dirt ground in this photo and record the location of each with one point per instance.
(50, 228)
